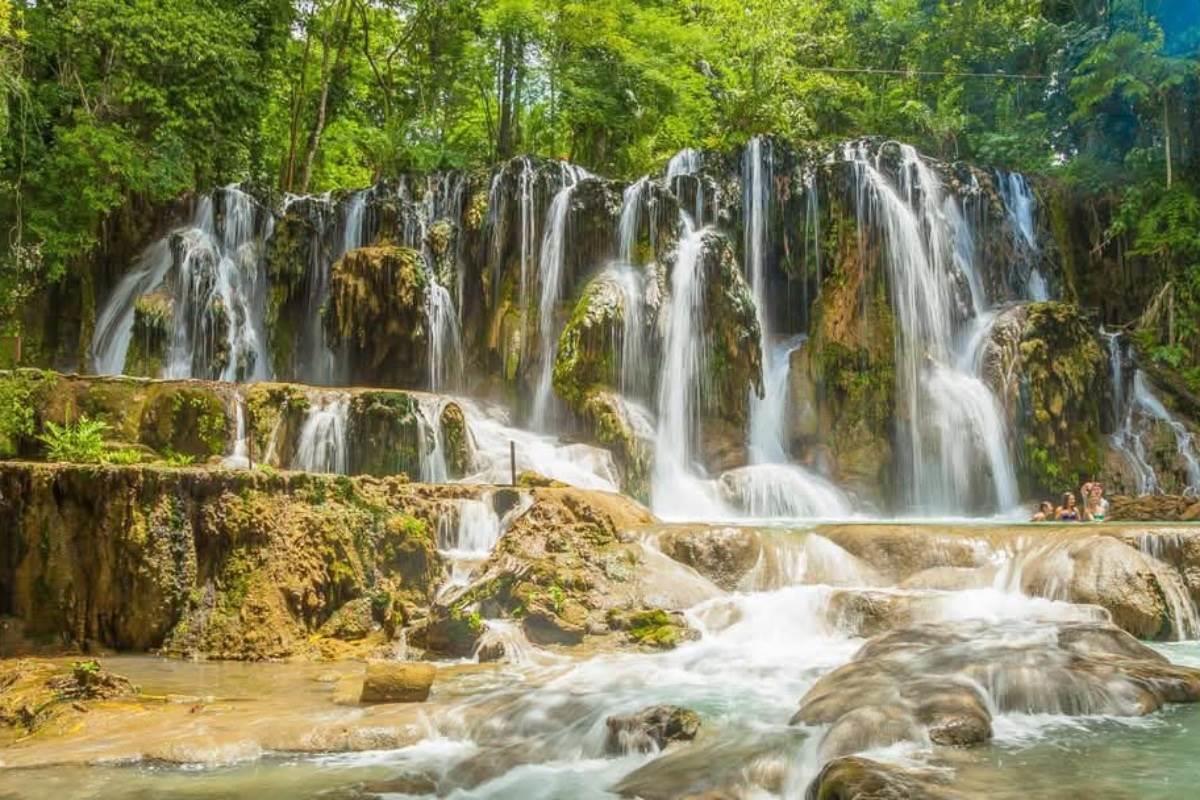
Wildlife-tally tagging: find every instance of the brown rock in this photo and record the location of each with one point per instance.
(397, 682)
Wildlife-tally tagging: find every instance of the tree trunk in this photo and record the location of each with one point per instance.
(1167, 134)
(318, 128)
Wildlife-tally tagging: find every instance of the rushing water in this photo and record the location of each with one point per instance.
(955, 429)
(1136, 410)
(534, 727)
(324, 442)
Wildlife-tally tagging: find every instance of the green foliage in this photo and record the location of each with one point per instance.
(16, 414)
(125, 455)
(79, 442)
(174, 459)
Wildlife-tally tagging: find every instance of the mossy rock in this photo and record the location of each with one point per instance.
(386, 435)
(1061, 364)
(611, 423)
(275, 413)
(590, 341)
(151, 337)
(377, 309)
(456, 441)
(189, 420)
(652, 627)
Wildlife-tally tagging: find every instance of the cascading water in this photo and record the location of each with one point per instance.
(766, 412)
(433, 461)
(551, 264)
(955, 428)
(324, 443)
(675, 491)
(240, 457)
(212, 272)
(687, 163)
(1020, 205)
(769, 420)
(1137, 410)
(316, 363)
(631, 215)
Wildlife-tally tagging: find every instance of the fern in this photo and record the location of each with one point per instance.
(80, 442)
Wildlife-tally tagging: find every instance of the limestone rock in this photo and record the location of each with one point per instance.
(856, 777)
(397, 682)
(723, 555)
(650, 729)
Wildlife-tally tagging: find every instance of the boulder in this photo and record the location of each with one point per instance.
(650, 729)
(1106, 572)
(724, 555)
(855, 777)
(397, 682)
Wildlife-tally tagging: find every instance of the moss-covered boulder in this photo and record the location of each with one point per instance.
(1050, 381)
(151, 337)
(851, 368)
(386, 434)
(190, 421)
(456, 441)
(275, 413)
(559, 569)
(590, 345)
(377, 309)
(628, 433)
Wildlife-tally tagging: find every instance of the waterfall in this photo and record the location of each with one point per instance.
(551, 265)
(315, 360)
(217, 285)
(634, 366)
(114, 323)
(212, 272)
(631, 211)
(1134, 413)
(675, 492)
(768, 423)
(1019, 206)
(445, 339)
(240, 457)
(955, 428)
(766, 428)
(528, 212)
(323, 444)
(687, 163)
(812, 226)
(354, 232)
(433, 462)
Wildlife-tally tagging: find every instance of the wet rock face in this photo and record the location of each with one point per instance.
(854, 777)
(723, 555)
(559, 569)
(377, 308)
(235, 565)
(923, 683)
(650, 729)
(397, 682)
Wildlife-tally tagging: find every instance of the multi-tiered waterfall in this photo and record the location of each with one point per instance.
(502, 260)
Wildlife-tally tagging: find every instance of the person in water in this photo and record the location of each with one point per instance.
(1095, 507)
(1044, 513)
(1068, 511)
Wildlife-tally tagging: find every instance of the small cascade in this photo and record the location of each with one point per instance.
(504, 640)
(354, 221)
(324, 441)
(433, 461)
(445, 340)
(467, 536)
(687, 163)
(782, 491)
(552, 263)
(634, 369)
(1020, 206)
(528, 216)
(316, 363)
(632, 202)
(812, 242)
(768, 424)
(492, 432)
(1135, 409)
(240, 457)
(956, 428)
